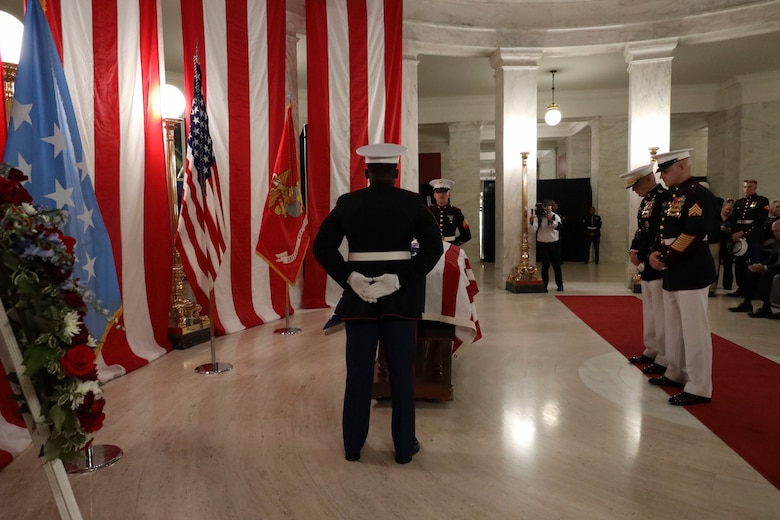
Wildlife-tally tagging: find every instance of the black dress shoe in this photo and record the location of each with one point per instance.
(640, 359)
(654, 369)
(735, 294)
(664, 381)
(406, 460)
(774, 316)
(762, 312)
(352, 457)
(685, 399)
(560, 288)
(742, 307)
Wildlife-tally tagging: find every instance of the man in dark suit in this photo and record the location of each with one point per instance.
(383, 291)
(682, 253)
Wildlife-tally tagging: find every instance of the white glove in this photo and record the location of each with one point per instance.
(361, 285)
(384, 285)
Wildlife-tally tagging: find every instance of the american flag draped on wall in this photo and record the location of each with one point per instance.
(200, 237)
(111, 57)
(241, 44)
(354, 55)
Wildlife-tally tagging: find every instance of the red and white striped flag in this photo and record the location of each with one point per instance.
(284, 237)
(200, 238)
(241, 44)
(355, 61)
(3, 126)
(111, 52)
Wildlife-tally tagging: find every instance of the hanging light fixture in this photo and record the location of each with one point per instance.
(553, 115)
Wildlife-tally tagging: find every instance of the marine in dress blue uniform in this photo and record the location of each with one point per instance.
(642, 181)
(748, 221)
(383, 291)
(682, 253)
(453, 226)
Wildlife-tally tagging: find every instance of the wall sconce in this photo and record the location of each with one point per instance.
(553, 115)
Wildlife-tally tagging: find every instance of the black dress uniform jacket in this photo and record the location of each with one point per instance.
(380, 218)
(750, 215)
(648, 218)
(451, 219)
(682, 238)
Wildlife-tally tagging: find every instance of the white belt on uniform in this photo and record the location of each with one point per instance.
(745, 221)
(448, 239)
(669, 241)
(592, 228)
(374, 256)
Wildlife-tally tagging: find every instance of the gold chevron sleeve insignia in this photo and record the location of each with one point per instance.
(682, 242)
(695, 210)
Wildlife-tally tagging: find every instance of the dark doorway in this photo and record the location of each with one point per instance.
(574, 198)
(488, 217)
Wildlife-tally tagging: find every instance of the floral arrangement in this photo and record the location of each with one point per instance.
(46, 308)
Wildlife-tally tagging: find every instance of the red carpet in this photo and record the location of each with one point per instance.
(746, 386)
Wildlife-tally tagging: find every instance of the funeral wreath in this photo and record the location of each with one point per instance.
(46, 309)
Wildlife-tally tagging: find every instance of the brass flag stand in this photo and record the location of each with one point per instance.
(524, 277)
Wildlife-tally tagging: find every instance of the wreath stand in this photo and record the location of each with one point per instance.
(11, 357)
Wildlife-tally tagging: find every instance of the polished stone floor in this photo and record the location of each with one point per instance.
(548, 422)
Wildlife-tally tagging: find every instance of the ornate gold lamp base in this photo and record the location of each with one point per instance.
(186, 327)
(524, 277)
(636, 283)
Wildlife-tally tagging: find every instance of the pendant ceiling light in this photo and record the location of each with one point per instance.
(553, 115)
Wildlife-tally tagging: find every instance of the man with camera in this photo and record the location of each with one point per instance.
(546, 223)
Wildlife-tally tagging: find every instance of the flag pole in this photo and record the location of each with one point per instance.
(287, 330)
(214, 367)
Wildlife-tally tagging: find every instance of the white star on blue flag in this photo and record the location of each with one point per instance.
(44, 143)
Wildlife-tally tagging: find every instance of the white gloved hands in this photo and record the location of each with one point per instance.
(384, 285)
(361, 284)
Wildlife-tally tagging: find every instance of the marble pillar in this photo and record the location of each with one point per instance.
(516, 73)
(463, 168)
(410, 178)
(649, 109)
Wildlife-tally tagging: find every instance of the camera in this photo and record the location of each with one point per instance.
(539, 210)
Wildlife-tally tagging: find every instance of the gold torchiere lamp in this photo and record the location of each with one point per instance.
(524, 278)
(185, 325)
(11, 31)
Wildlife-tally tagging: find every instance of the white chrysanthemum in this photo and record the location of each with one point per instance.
(29, 208)
(70, 324)
(82, 389)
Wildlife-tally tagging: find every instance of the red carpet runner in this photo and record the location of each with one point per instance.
(746, 386)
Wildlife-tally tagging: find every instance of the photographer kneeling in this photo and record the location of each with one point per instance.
(546, 223)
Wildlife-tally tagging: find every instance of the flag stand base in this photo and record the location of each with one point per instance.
(213, 368)
(97, 457)
(288, 331)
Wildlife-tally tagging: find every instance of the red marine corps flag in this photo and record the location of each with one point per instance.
(284, 238)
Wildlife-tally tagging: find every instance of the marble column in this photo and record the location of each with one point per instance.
(463, 168)
(410, 177)
(649, 108)
(516, 73)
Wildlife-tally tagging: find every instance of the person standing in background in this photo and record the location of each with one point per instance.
(546, 223)
(713, 236)
(453, 226)
(726, 258)
(747, 221)
(592, 226)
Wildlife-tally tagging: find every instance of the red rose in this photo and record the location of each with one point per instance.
(75, 301)
(90, 413)
(78, 361)
(11, 192)
(17, 175)
(68, 241)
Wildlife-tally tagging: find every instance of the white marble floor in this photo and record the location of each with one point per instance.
(548, 422)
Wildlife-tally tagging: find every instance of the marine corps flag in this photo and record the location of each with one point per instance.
(283, 238)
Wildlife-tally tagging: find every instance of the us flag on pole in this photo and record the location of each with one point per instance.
(283, 237)
(354, 52)
(200, 238)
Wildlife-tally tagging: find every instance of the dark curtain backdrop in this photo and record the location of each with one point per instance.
(574, 198)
